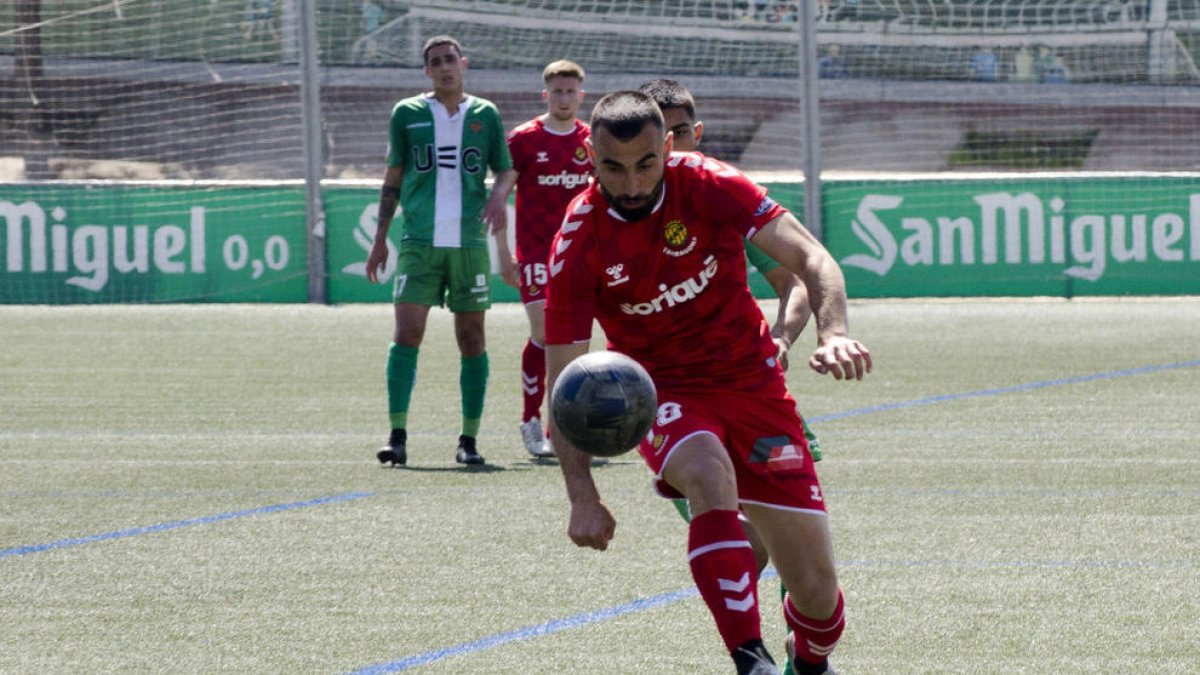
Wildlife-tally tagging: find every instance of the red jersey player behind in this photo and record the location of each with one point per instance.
(653, 250)
(553, 166)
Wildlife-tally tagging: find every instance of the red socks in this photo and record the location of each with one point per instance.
(533, 378)
(815, 639)
(726, 573)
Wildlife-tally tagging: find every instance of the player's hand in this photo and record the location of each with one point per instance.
(592, 524)
(842, 357)
(495, 214)
(377, 260)
(508, 270)
(781, 352)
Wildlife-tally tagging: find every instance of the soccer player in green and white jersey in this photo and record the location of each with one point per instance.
(679, 117)
(442, 144)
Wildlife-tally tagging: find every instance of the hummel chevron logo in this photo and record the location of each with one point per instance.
(744, 605)
(529, 384)
(735, 586)
(739, 586)
(570, 226)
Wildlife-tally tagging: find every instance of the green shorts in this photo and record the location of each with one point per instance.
(457, 278)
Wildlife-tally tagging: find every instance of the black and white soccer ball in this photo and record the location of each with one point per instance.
(604, 403)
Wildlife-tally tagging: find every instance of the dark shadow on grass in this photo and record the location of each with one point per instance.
(597, 463)
(458, 468)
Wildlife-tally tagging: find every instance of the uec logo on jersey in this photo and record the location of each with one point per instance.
(448, 157)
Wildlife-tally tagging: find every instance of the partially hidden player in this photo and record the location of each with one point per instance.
(552, 164)
(679, 115)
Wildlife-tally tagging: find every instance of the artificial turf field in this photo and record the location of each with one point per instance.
(193, 489)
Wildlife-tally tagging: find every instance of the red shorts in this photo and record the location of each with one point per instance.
(763, 435)
(533, 277)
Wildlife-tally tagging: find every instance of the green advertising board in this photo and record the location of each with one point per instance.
(104, 243)
(1016, 237)
(351, 215)
(65, 243)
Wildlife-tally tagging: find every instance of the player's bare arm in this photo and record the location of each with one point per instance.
(506, 262)
(495, 212)
(790, 243)
(591, 523)
(794, 311)
(389, 198)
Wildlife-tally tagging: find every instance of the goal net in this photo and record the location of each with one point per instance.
(144, 147)
(892, 69)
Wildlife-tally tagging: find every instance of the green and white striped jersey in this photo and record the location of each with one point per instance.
(445, 160)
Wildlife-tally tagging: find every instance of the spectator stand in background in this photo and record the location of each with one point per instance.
(1023, 65)
(832, 66)
(372, 16)
(1049, 67)
(984, 65)
(260, 21)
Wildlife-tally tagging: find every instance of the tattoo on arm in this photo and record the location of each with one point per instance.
(389, 196)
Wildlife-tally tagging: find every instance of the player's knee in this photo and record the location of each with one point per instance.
(814, 592)
(706, 478)
(407, 337)
(470, 343)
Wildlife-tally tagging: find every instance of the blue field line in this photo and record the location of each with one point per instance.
(1030, 386)
(177, 524)
(652, 602)
(555, 626)
(667, 598)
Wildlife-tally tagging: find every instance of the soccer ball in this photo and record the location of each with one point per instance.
(604, 403)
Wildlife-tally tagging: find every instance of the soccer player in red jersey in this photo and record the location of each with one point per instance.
(679, 116)
(653, 250)
(552, 164)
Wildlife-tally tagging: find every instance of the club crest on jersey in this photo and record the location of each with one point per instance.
(581, 156)
(659, 442)
(677, 237)
(476, 126)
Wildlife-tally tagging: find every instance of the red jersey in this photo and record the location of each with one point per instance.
(553, 168)
(670, 290)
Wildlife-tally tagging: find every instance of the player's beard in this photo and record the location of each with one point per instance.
(562, 115)
(636, 208)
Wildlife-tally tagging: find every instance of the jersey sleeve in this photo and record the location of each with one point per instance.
(397, 137)
(571, 293)
(514, 143)
(761, 261)
(747, 204)
(499, 158)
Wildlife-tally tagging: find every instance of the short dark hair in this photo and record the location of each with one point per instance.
(670, 94)
(625, 113)
(437, 41)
